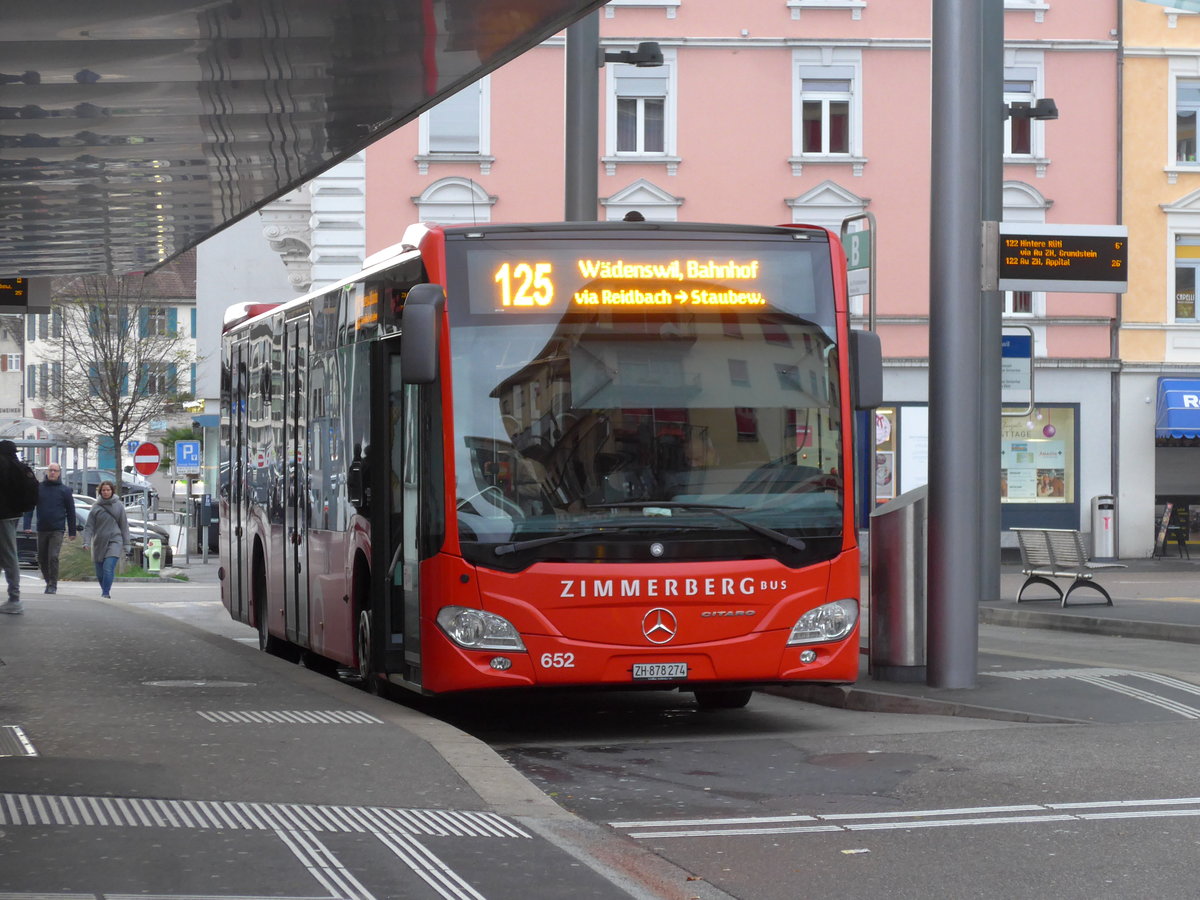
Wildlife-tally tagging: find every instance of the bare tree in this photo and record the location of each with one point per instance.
(120, 359)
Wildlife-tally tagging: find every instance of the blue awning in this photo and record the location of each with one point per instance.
(1178, 414)
(207, 420)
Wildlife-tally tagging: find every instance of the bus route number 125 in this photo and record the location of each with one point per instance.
(525, 284)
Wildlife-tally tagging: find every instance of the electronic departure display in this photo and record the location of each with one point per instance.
(517, 278)
(1076, 258)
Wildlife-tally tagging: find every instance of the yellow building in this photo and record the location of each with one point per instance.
(1157, 457)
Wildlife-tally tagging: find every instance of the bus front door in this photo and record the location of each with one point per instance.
(396, 522)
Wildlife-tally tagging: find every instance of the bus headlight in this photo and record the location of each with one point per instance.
(478, 630)
(830, 622)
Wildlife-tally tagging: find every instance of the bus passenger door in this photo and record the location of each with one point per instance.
(296, 499)
(238, 462)
(396, 521)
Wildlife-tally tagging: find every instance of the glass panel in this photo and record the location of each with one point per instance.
(654, 131)
(626, 126)
(1021, 133)
(586, 396)
(811, 128)
(454, 123)
(1185, 292)
(1037, 457)
(826, 85)
(1185, 136)
(1021, 302)
(839, 127)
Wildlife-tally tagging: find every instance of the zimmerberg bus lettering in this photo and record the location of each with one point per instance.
(585, 588)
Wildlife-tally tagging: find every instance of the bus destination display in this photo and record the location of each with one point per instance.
(594, 281)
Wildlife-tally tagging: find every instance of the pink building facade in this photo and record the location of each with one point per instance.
(775, 111)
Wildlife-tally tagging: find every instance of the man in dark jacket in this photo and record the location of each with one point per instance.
(13, 474)
(55, 511)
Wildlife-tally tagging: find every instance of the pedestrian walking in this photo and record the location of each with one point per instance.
(18, 495)
(107, 533)
(55, 511)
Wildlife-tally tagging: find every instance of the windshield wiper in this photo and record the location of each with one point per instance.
(778, 536)
(518, 546)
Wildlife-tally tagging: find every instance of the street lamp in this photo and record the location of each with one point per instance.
(1042, 109)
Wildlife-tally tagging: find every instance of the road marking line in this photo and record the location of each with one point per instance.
(1100, 678)
(899, 820)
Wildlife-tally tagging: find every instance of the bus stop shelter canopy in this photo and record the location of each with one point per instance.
(131, 130)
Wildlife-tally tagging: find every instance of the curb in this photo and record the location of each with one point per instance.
(858, 698)
(1158, 631)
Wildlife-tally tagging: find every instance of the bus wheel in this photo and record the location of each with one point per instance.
(267, 642)
(723, 698)
(366, 670)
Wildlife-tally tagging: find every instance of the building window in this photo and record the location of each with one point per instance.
(825, 112)
(158, 378)
(1187, 105)
(827, 107)
(1187, 261)
(641, 112)
(1018, 133)
(154, 321)
(1018, 303)
(1024, 139)
(739, 373)
(12, 362)
(458, 129)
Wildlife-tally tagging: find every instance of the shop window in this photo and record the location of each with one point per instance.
(1187, 261)
(1037, 457)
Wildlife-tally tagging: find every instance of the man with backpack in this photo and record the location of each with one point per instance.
(18, 495)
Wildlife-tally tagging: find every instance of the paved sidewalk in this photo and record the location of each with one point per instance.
(142, 755)
(1022, 676)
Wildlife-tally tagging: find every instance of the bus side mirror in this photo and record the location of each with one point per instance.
(866, 370)
(420, 324)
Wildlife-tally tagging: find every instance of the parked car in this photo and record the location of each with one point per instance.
(140, 531)
(140, 490)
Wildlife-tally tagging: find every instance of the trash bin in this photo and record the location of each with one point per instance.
(1104, 527)
(899, 587)
(154, 555)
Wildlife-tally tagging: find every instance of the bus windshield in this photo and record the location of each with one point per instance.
(714, 427)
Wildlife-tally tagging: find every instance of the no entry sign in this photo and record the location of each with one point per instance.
(145, 458)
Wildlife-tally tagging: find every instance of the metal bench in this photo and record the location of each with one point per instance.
(1048, 553)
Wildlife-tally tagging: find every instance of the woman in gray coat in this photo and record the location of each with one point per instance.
(107, 533)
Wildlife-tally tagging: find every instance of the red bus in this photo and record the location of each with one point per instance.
(580, 454)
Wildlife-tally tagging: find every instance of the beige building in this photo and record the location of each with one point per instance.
(1158, 446)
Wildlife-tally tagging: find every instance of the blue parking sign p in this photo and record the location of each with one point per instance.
(187, 457)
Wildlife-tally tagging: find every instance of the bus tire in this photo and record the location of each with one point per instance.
(369, 678)
(723, 698)
(267, 642)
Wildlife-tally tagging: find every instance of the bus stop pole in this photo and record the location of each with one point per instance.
(954, 343)
(582, 118)
(992, 300)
